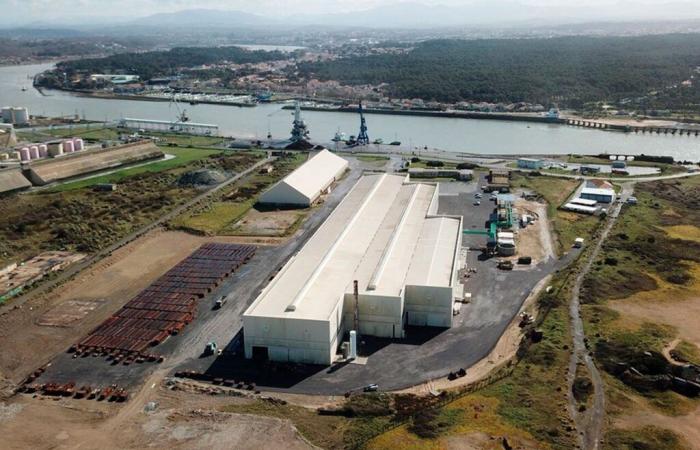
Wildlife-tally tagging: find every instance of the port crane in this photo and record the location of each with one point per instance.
(363, 137)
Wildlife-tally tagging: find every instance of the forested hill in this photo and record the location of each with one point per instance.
(568, 70)
(157, 63)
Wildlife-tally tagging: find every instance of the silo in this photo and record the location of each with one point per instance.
(24, 154)
(78, 144)
(43, 150)
(20, 115)
(14, 155)
(68, 146)
(34, 151)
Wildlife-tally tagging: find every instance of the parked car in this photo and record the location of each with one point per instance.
(371, 388)
(477, 202)
(220, 302)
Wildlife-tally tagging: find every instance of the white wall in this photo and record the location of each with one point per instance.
(429, 306)
(289, 339)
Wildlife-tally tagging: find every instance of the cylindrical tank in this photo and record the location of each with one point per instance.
(68, 146)
(24, 154)
(34, 151)
(78, 144)
(14, 155)
(43, 150)
(4, 156)
(353, 344)
(11, 114)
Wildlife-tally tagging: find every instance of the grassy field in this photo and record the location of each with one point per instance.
(567, 225)
(77, 218)
(651, 257)
(182, 157)
(219, 216)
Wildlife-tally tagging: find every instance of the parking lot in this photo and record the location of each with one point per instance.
(426, 353)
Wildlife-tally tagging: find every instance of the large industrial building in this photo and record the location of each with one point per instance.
(382, 260)
(306, 184)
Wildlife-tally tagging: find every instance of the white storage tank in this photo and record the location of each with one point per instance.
(78, 144)
(68, 146)
(14, 115)
(34, 151)
(24, 154)
(43, 150)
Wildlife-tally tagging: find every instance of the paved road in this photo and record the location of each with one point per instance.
(76, 268)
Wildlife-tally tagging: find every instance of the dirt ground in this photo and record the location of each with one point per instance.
(268, 223)
(687, 426)
(678, 307)
(535, 240)
(44, 326)
(180, 420)
(670, 305)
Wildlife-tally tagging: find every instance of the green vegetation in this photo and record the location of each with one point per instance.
(687, 352)
(152, 64)
(567, 226)
(647, 438)
(644, 261)
(76, 218)
(219, 216)
(638, 246)
(183, 157)
(569, 71)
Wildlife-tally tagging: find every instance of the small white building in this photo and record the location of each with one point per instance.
(382, 260)
(306, 184)
(599, 190)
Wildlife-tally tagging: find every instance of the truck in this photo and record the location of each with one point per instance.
(209, 349)
(578, 243)
(505, 265)
(220, 302)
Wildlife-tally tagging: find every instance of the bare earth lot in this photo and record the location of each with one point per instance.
(33, 334)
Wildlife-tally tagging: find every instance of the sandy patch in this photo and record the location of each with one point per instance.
(268, 223)
(687, 426)
(678, 306)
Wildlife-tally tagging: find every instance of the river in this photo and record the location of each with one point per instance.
(454, 135)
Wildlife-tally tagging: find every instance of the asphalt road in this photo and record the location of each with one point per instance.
(426, 353)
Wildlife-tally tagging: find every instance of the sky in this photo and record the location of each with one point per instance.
(21, 12)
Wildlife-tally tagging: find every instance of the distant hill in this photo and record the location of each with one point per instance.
(197, 18)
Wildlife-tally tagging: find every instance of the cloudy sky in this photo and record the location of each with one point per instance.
(21, 12)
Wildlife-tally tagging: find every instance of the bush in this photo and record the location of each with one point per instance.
(415, 160)
(466, 166)
(435, 164)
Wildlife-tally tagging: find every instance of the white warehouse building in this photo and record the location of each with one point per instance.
(306, 184)
(386, 236)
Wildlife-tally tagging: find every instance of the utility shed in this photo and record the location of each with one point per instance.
(382, 236)
(306, 184)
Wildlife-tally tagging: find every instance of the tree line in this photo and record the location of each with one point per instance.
(568, 71)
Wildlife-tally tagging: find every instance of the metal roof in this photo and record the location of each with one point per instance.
(311, 177)
(380, 235)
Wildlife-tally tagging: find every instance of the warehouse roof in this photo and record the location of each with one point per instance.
(433, 261)
(373, 236)
(312, 176)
